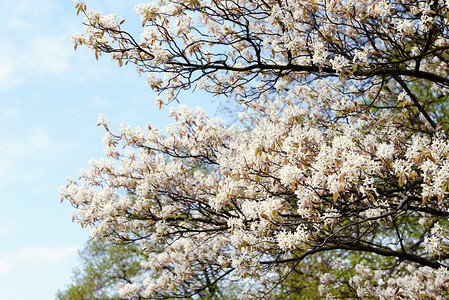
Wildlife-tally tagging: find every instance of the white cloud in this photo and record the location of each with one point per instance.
(7, 228)
(50, 55)
(100, 102)
(34, 255)
(10, 76)
(35, 41)
(25, 14)
(36, 57)
(6, 71)
(26, 157)
(10, 113)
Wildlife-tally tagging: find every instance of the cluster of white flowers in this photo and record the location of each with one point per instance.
(320, 54)
(339, 63)
(437, 243)
(302, 41)
(405, 27)
(413, 283)
(291, 241)
(233, 171)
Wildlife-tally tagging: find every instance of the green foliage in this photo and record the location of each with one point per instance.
(303, 279)
(104, 266)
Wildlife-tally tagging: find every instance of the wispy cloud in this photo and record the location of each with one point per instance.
(26, 157)
(32, 46)
(33, 58)
(34, 255)
(25, 14)
(7, 228)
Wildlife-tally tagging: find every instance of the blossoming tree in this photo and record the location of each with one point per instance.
(342, 150)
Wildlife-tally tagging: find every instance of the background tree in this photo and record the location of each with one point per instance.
(107, 266)
(104, 267)
(343, 151)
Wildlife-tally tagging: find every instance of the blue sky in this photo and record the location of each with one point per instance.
(50, 98)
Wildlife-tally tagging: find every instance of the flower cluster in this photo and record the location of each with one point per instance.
(205, 190)
(413, 283)
(324, 37)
